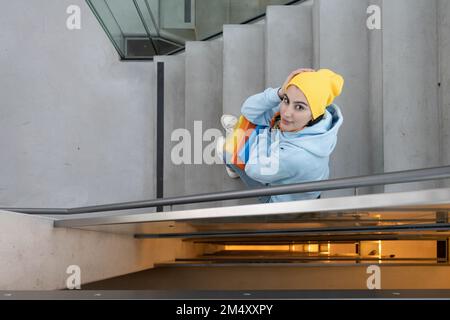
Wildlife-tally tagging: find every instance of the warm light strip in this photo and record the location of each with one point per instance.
(257, 248)
(379, 249)
(310, 247)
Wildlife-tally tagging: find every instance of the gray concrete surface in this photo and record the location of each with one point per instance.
(410, 90)
(210, 15)
(376, 101)
(243, 65)
(289, 41)
(76, 124)
(444, 79)
(35, 256)
(243, 76)
(204, 77)
(342, 46)
(241, 11)
(172, 15)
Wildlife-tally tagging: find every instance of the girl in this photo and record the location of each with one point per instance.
(296, 131)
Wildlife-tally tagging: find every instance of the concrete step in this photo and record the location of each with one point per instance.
(393, 109)
(342, 44)
(204, 82)
(243, 65)
(243, 76)
(444, 78)
(410, 88)
(289, 41)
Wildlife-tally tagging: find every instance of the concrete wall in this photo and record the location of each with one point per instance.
(76, 124)
(342, 45)
(410, 88)
(443, 9)
(35, 256)
(172, 14)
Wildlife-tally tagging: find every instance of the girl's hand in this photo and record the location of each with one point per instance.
(281, 91)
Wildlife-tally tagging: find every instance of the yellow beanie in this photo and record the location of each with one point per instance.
(319, 87)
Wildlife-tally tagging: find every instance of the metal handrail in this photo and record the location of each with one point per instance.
(434, 173)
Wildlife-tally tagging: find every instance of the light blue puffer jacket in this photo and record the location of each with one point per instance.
(278, 157)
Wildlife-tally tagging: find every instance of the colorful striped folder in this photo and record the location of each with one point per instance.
(237, 144)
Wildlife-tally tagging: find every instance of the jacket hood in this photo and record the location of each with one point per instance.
(319, 139)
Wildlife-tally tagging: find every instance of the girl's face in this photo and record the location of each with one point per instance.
(294, 110)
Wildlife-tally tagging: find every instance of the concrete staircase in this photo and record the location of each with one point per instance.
(394, 102)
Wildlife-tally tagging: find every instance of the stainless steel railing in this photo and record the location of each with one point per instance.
(406, 176)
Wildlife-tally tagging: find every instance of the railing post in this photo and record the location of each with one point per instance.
(160, 133)
(442, 245)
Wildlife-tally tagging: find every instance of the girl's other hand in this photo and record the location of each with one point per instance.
(281, 92)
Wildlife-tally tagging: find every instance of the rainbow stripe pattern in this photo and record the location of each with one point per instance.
(237, 144)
